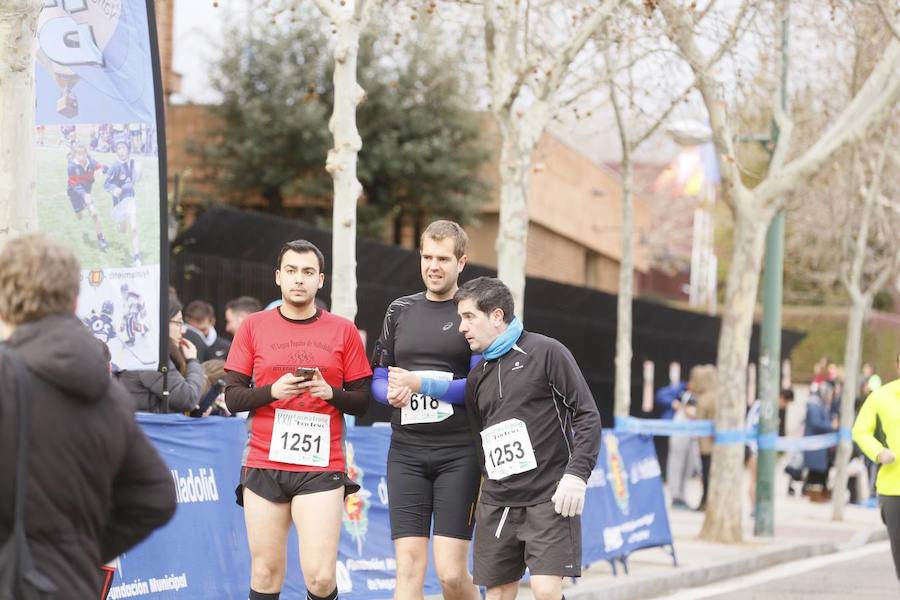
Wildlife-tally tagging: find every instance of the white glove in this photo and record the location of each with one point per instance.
(568, 500)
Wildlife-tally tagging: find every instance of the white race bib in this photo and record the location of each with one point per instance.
(301, 438)
(507, 449)
(425, 409)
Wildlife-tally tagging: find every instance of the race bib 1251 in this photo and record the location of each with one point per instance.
(301, 438)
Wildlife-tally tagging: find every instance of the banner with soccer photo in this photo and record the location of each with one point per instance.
(101, 166)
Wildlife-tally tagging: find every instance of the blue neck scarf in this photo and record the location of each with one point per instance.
(505, 341)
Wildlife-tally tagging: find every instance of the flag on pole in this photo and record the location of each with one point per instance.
(101, 181)
(690, 172)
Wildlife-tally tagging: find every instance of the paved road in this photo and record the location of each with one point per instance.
(863, 574)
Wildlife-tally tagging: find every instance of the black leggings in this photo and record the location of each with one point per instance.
(705, 461)
(890, 514)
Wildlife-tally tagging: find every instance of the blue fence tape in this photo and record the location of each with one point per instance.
(767, 441)
(664, 427)
(730, 437)
(807, 443)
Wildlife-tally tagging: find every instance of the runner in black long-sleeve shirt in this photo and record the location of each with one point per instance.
(421, 362)
(539, 432)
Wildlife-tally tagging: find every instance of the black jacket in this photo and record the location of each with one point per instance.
(539, 383)
(96, 486)
(217, 350)
(145, 388)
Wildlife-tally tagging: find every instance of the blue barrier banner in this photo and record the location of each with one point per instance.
(202, 553)
(625, 508)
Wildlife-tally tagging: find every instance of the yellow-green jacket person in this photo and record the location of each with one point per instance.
(884, 405)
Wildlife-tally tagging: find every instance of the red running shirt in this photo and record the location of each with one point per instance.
(267, 346)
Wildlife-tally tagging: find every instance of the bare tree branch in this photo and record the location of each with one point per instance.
(500, 27)
(734, 33)
(729, 41)
(359, 9)
(780, 112)
(585, 32)
(643, 137)
(876, 97)
(888, 20)
(681, 33)
(330, 10)
(621, 126)
(873, 191)
(702, 15)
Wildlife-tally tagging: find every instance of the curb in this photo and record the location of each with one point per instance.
(682, 578)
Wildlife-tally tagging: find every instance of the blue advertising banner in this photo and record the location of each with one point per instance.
(100, 153)
(202, 553)
(625, 508)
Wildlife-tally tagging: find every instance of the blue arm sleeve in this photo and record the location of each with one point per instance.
(454, 391)
(380, 384)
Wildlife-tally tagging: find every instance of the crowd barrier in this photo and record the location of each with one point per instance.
(202, 553)
(670, 428)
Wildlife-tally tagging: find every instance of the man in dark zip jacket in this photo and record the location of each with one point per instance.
(539, 433)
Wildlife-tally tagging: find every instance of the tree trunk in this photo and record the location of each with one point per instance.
(859, 308)
(722, 522)
(341, 163)
(18, 206)
(626, 292)
(512, 236)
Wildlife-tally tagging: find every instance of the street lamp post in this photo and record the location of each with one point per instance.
(770, 341)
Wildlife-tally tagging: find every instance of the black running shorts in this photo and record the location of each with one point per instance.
(424, 481)
(528, 536)
(282, 486)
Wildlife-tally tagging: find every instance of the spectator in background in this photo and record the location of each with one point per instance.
(703, 382)
(237, 310)
(683, 456)
(185, 379)
(667, 401)
(95, 484)
(816, 461)
(200, 330)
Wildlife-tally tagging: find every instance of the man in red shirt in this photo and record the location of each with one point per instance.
(297, 369)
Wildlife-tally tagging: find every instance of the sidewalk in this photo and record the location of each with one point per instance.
(802, 530)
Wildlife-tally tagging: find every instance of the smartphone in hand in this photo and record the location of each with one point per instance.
(305, 373)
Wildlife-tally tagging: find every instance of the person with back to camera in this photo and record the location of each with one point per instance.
(95, 485)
